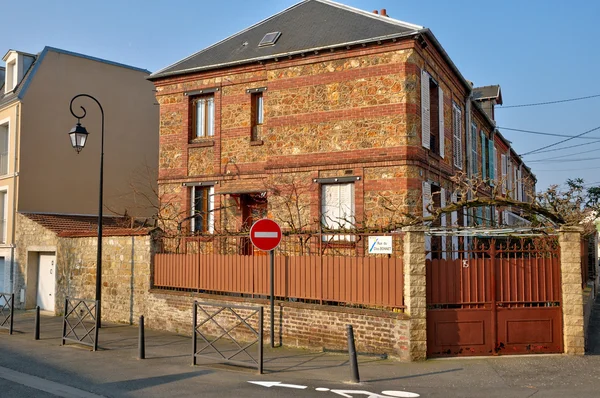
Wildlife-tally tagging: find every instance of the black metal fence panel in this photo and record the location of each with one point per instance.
(7, 310)
(240, 326)
(80, 322)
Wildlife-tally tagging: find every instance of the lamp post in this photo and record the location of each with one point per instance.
(78, 136)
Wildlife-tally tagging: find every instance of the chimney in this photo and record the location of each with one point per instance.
(383, 12)
(375, 12)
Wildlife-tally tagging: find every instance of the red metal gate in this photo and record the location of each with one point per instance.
(500, 296)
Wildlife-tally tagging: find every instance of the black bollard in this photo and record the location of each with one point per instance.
(141, 343)
(37, 323)
(352, 353)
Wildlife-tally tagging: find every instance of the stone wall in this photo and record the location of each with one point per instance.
(125, 273)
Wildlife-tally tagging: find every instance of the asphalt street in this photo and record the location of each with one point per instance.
(44, 368)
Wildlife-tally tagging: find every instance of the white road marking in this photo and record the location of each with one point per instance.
(266, 235)
(352, 393)
(48, 386)
(322, 389)
(277, 384)
(403, 394)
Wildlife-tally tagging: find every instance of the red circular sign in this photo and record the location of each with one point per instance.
(265, 234)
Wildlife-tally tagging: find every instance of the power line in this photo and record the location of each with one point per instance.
(561, 170)
(560, 142)
(566, 147)
(550, 102)
(563, 156)
(563, 160)
(549, 134)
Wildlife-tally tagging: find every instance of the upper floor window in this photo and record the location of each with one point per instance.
(457, 134)
(4, 149)
(202, 209)
(203, 116)
(3, 212)
(257, 116)
(432, 114)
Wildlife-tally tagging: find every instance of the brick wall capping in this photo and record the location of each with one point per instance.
(571, 228)
(327, 308)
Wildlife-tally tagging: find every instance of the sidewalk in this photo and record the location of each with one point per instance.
(115, 370)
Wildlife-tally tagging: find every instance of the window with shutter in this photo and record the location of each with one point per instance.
(503, 171)
(484, 149)
(457, 136)
(474, 160)
(492, 161)
(202, 209)
(425, 110)
(426, 197)
(4, 129)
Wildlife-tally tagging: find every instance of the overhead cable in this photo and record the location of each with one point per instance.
(548, 102)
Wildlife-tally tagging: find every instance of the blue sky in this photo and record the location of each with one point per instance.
(537, 50)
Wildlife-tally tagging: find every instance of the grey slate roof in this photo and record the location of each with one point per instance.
(487, 92)
(306, 26)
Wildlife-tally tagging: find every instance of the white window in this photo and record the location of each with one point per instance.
(202, 209)
(203, 116)
(337, 206)
(4, 149)
(457, 134)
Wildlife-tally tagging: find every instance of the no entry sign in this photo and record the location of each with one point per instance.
(265, 234)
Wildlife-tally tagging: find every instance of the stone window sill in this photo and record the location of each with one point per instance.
(256, 143)
(202, 144)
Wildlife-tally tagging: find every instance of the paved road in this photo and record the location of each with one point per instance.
(43, 368)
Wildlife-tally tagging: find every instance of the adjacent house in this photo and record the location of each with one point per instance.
(366, 113)
(40, 172)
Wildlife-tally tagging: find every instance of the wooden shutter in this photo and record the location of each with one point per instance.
(346, 206)
(426, 197)
(503, 170)
(484, 149)
(330, 199)
(492, 161)
(443, 220)
(457, 137)
(425, 111)
(211, 210)
(454, 223)
(442, 135)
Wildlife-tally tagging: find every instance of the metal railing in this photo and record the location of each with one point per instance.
(224, 323)
(80, 322)
(7, 310)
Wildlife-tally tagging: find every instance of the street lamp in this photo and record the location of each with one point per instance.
(78, 136)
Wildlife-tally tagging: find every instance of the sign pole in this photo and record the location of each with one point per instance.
(272, 282)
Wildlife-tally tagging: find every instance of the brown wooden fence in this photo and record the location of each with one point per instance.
(324, 269)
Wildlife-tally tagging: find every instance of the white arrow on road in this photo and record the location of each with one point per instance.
(277, 384)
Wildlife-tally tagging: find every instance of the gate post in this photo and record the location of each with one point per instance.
(572, 296)
(415, 291)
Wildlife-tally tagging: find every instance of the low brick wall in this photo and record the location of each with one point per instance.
(296, 324)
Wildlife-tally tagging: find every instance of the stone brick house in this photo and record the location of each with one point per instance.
(40, 172)
(364, 117)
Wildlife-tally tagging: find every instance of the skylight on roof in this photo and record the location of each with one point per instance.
(269, 39)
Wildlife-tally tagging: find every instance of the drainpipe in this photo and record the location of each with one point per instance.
(14, 209)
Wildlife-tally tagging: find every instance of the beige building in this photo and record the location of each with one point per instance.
(41, 173)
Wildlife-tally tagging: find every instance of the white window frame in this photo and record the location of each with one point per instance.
(338, 216)
(204, 119)
(210, 210)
